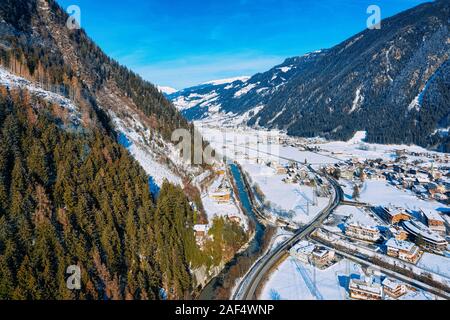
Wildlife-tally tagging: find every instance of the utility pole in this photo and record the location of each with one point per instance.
(314, 276)
(347, 268)
(315, 202)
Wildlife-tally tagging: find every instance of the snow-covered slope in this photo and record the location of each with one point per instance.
(236, 100)
(91, 87)
(11, 81)
(158, 158)
(135, 137)
(359, 137)
(226, 81)
(167, 90)
(391, 83)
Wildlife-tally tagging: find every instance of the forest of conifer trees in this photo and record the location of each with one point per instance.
(69, 199)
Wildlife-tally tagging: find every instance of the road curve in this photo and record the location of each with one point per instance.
(246, 289)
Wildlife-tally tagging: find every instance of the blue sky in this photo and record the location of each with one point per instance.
(181, 43)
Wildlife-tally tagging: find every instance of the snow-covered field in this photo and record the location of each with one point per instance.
(380, 193)
(253, 149)
(356, 215)
(294, 280)
(249, 144)
(435, 263)
(285, 199)
(357, 148)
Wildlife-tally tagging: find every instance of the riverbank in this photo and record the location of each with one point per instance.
(220, 287)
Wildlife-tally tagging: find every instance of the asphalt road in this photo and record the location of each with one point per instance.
(249, 284)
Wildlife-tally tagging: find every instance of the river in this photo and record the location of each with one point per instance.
(209, 292)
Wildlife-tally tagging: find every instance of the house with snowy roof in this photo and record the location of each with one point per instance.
(404, 250)
(362, 232)
(394, 215)
(201, 233)
(393, 288)
(365, 289)
(302, 251)
(424, 237)
(434, 221)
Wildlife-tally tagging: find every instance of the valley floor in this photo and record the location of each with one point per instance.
(261, 154)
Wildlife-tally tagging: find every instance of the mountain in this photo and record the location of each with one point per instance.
(167, 90)
(88, 175)
(36, 44)
(392, 83)
(227, 80)
(234, 101)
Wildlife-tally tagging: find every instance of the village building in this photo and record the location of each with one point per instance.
(362, 232)
(201, 233)
(222, 194)
(404, 250)
(302, 251)
(307, 252)
(235, 219)
(347, 174)
(393, 288)
(220, 171)
(260, 161)
(424, 237)
(279, 169)
(398, 233)
(365, 289)
(408, 182)
(420, 190)
(434, 221)
(292, 177)
(422, 178)
(322, 257)
(394, 215)
(440, 197)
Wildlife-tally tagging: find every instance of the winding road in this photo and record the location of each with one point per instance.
(247, 287)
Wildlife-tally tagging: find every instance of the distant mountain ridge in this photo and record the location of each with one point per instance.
(392, 83)
(238, 98)
(167, 90)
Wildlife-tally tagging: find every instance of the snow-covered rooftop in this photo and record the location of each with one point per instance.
(303, 247)
(391, 283)
(368, 286)
(400, 244)
(419, 228)
(362, 226)
(432, 215)
(201, 228)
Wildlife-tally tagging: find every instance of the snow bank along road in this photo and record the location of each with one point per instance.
(246, 289)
